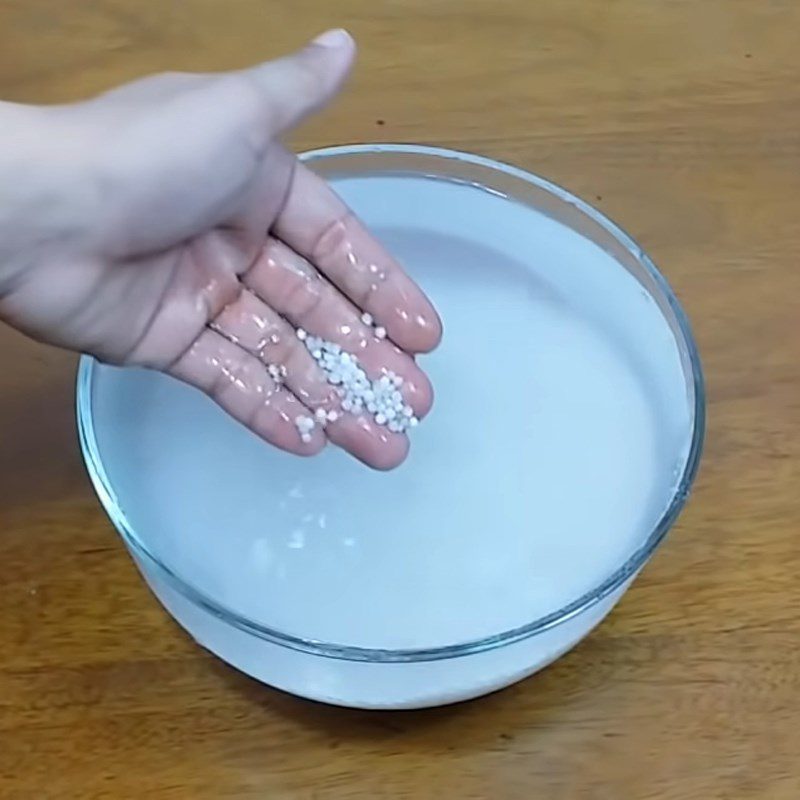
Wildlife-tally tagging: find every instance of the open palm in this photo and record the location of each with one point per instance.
(201, 246)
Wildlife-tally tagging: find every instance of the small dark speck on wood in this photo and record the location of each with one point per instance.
(380, 121)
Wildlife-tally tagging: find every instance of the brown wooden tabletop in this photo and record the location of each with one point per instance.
(681, 120)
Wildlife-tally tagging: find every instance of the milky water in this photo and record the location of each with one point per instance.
(560, 424)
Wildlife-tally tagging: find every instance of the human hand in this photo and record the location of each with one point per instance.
(162, 224)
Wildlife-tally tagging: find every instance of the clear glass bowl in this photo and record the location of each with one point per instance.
(338, 672)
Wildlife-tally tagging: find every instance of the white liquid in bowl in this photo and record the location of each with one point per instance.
(560, 427)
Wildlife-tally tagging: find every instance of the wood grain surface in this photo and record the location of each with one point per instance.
(678, 118)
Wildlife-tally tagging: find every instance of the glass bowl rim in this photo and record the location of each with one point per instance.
(607, 587)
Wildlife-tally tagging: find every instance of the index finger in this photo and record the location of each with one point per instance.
(316, 223)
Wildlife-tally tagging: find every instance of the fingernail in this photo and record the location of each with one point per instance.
(335, 38)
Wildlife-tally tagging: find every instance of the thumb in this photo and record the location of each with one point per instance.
(304, 82)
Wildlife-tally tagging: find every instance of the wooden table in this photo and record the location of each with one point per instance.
(680, 119)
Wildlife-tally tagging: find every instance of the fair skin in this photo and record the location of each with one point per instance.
(163, 225)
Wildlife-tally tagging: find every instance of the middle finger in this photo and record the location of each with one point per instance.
(294, 288)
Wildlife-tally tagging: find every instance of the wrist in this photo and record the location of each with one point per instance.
(44, 202)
